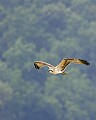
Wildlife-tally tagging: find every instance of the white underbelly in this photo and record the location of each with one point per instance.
(57, 71)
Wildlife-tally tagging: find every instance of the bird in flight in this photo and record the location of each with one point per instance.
(60, 68)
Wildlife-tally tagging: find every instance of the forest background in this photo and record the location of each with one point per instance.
(47, 30)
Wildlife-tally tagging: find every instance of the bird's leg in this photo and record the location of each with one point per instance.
(63, 73)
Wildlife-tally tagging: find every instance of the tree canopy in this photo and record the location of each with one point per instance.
(47, 30)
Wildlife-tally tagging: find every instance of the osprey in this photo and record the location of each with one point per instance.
(60, 68)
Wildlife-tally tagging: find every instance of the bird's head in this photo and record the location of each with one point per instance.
(50, 70)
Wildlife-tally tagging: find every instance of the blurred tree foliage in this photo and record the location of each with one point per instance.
(47, 30)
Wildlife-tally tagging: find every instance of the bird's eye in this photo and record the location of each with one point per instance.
(50, 70)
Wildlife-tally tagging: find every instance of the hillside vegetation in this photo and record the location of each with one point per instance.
(47, 30)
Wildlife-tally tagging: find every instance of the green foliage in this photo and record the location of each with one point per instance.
(47, 30)
(5, 93)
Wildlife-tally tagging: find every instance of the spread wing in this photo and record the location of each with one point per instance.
(62, 65)
(40, 64)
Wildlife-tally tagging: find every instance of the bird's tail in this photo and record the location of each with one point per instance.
(63, 73)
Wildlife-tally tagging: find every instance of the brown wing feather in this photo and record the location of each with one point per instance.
(40, 64)
(62, 65)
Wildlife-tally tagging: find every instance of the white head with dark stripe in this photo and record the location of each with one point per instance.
(51, 70)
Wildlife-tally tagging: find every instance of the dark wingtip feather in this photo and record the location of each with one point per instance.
(84, 62)
(36, 66)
